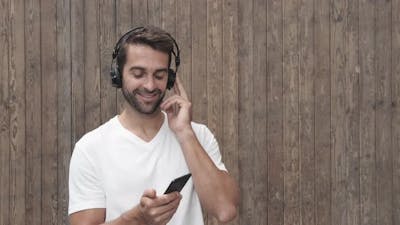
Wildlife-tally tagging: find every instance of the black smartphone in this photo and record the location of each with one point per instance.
(177, 184)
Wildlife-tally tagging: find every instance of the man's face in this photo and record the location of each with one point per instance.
(144, 78)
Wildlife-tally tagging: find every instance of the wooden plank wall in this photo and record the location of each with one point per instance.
(302, 95)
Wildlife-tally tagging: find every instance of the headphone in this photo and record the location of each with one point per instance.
(116, 73)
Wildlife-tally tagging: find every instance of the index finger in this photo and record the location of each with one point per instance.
(179, 89)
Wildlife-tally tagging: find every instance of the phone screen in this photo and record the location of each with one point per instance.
(177, 184)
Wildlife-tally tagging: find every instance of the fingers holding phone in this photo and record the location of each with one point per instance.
(158, 210)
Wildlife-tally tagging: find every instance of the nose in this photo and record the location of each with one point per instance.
(150, 84)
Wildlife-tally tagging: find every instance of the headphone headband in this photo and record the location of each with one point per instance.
(116, 74)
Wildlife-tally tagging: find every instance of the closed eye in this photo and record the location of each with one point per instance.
(160, 74)
(137, 72)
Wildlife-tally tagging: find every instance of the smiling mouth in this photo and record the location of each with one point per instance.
(148, 96)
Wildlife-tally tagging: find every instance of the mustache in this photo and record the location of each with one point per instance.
(145, 91)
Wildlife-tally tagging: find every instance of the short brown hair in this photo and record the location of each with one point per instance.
(151, 36)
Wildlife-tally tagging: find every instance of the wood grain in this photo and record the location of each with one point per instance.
(92, 66)
(18, 165)
(154, 12)
(275, 145)
(33, 99)
(199, 59)
(183, 35)
(168, 16)
(139, 13)
(352, 112)
(368, 178)
(229, 139)
(383, 116)
(77, 69)
(395, 93)
(124, 24)
(4, 114)
(290, 113)
(48, 44)
(246, 112)
(306, 111)
(322, 113)
(259, 80)
(214, 72)
(64, 107)
(108, 97)
(339, 117)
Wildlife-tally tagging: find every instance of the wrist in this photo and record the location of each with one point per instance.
(185, 134)
(133, 217)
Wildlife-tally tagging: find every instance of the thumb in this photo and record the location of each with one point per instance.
(150, 193)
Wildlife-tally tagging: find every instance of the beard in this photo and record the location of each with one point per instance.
(143, 107)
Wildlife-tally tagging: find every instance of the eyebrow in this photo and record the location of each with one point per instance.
(144, 69)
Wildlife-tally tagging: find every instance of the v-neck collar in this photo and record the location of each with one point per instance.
(153, 142)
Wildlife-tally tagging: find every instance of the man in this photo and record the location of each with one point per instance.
(119, 171)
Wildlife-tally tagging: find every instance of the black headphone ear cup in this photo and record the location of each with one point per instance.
(115, 76)
(171, 78)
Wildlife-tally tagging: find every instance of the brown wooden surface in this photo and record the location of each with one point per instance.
(33, 98)
(322, 113)
(64, 107)
(367, 114)
(4, 114)
(395, 87)
(303, 97)
(48, 10)
(17, 175)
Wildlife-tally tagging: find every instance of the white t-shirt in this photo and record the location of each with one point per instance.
(111, 167)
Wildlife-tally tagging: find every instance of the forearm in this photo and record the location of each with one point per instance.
(131, 217)
(97, 217)
(218, 192)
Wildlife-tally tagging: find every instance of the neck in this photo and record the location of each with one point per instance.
(145, 126)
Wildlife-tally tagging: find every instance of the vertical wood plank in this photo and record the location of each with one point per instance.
(246, 112)
(367, 113)
(168, 23)
(352, 113)
(396, 109)
(306, 111)
(4, 114)
(259, 97)
(48, 45)
(168, 16)
(214, 71)
(33, 113)
(64, 106)
(290, 113)
(154, 12)
(77, 69)
(199, 59)
(108, 95)
(17, 113)
(275, 112)
(383, 113)
(92, 66)
(338, 63)
(229, 140)
(345, 116)
(322, 113)
(124, 24)
(139, 13)
(184, 38)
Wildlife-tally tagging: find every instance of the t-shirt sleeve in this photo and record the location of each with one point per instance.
(85, 189)
(210, 145)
